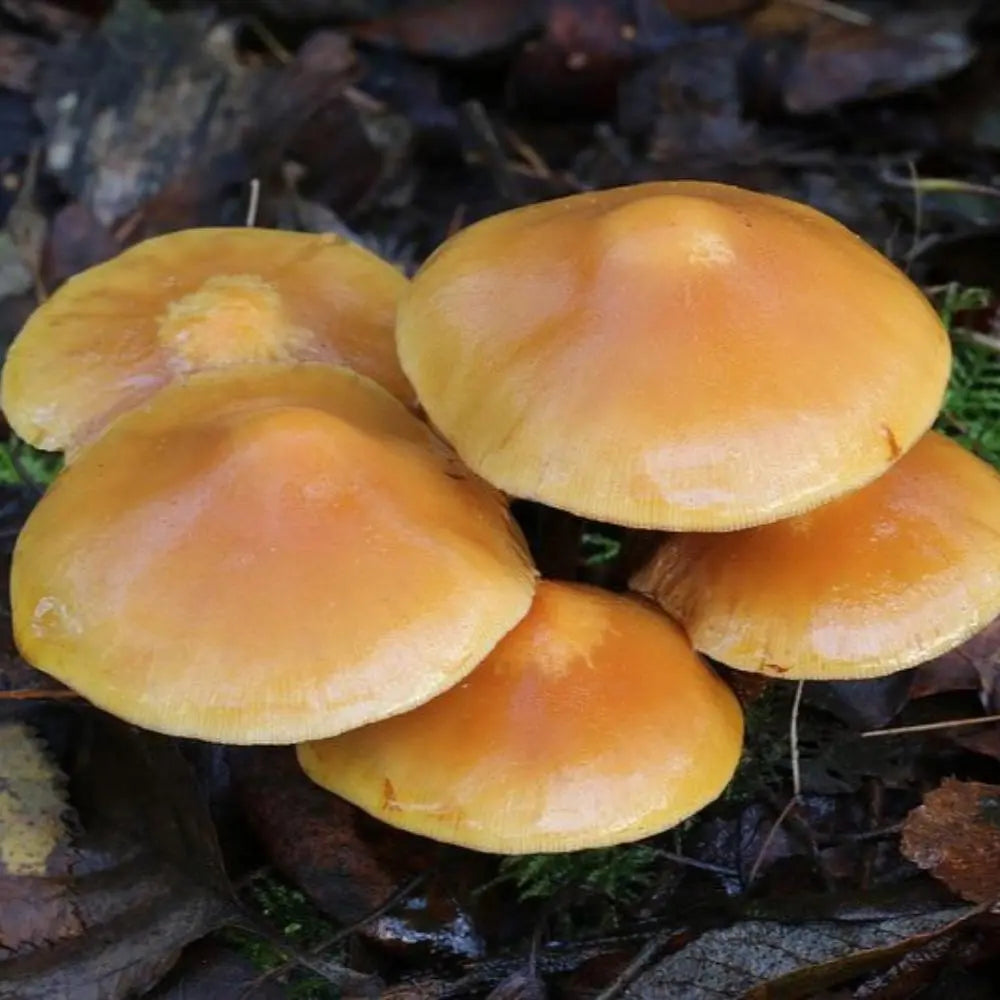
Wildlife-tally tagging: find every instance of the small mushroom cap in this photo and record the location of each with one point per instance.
(677, 355)
(191, 300)
(266, 555)
(872, 583)
(592, 723)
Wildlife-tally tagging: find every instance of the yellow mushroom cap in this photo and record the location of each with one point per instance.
(677, 355)
(869, 584)
(266, 555)
(592, 723)
(193, 300)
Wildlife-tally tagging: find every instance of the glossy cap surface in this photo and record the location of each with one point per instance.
(677, 355)
(874, 582)
(592, 723)
(266, 555)
(195, 300)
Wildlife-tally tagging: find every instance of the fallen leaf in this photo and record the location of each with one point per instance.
(455, 30)
(211, 971)
(865, 704)
(36, 905)
(768, 960)
(19, 60)
(100, 901)
(975, 665)
(140, 101)
(823, 61)
(955, 835)
(688, 102)
(76, 240)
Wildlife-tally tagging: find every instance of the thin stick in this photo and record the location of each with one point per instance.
(328, 942)
(782, 816)
(254, 202)
(928, 727)
(634, 968)
(680, 859)
(36, 694)
(793, 740)
(839, 11)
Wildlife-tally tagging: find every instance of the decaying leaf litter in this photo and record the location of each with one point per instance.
(854, 855)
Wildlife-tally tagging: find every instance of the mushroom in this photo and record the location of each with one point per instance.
(676, 355)
(869, 584)
(592, 723)
(266, 555)
(194, 300)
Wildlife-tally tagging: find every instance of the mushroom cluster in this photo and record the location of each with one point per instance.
(258, 539)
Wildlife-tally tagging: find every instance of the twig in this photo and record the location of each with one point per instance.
(931, 726)
(328, 942)
(499, 167)
(839, 11)
(254, 202)
(775, 826)
(634, 968)
(948, 184)
(705, 866)
(38, 694)
(793, 741)
(337, 975)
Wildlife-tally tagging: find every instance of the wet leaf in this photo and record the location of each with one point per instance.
(767, 960)
(77, 240)
(824, 61)
(866, 704)
(955, 835)
(19, 59)
(455, 30)
(128, 881)
(688, 102)
(975, 665)
(144, 99)
(210, 971)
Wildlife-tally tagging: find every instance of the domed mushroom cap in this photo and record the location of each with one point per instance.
(266, 555)
(677, 355)
(194, 300)
(593, 722)
(874, 582)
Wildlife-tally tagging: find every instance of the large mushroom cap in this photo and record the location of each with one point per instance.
(679, 355)
(266, 555)
(874, 582)
(193, 300)
(593, 722)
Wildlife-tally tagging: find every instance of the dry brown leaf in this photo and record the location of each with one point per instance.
(975, 665)
(955, 835)
(96, 903)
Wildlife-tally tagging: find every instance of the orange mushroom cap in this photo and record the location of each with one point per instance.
(592, 723)
(266, 555)
(869, 584)
(678, 355)
(194, 300)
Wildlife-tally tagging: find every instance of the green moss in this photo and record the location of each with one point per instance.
(22, 465)
(620, 874)
(971, 411)
(291, 914)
